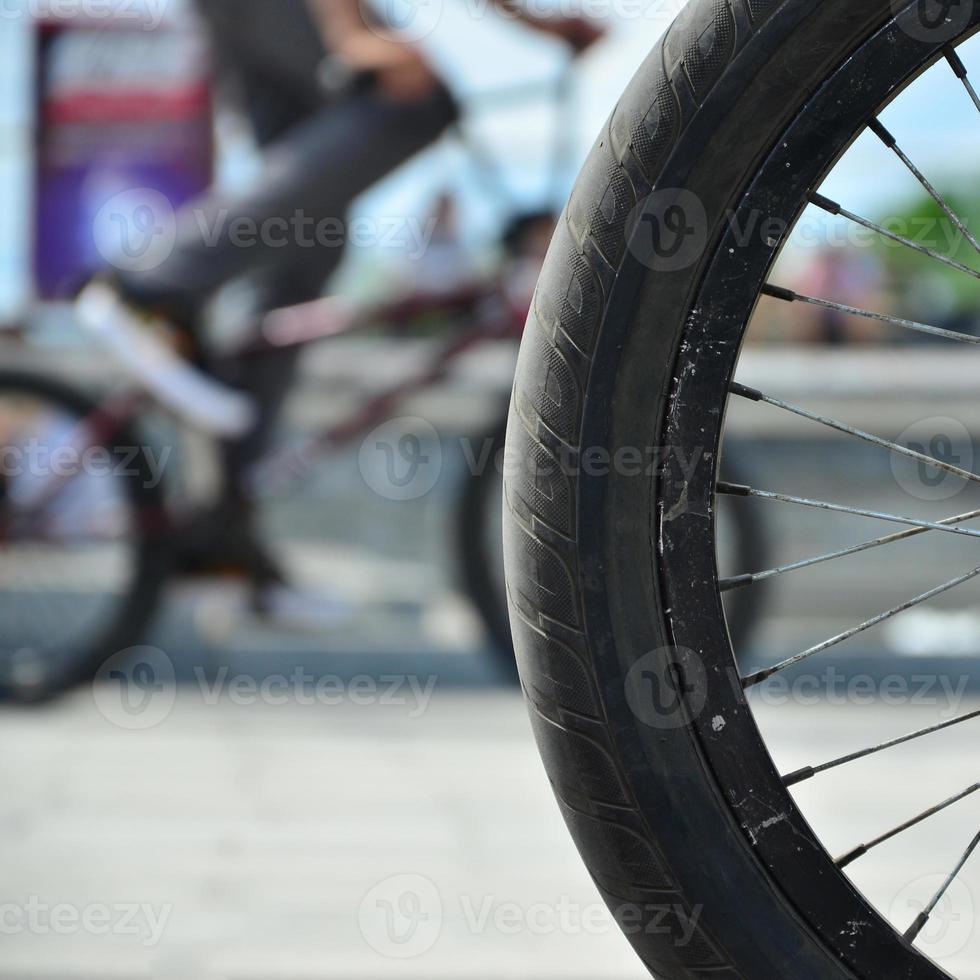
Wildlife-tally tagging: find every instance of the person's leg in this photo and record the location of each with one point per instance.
(319, 158)
(319, 168)
(225, 537)
(310, 176)
(271, 53)
(271, 40)
(265, 56)
(268, 376)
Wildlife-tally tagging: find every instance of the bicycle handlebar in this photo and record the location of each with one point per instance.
(580, 33)
(338, 80)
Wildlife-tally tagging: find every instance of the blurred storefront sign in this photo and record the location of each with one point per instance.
(123, 110)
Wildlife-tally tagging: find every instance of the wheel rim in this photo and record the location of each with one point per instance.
(68, 557)
(719, 711)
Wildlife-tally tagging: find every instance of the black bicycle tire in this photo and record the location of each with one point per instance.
(151, 554)
(480, 494)
(658, 837)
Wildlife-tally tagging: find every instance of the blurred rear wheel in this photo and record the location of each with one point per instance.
(479, 536)
(81, 559)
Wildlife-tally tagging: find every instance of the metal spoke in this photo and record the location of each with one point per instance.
(911, 526)
(808, 772)
(732, 489)
(752, 394)
(761, 675)
(960, 71)
(833, 208)
(886, 137)
(922, 919)
(778, 292)
(863, 849)
(738, 581)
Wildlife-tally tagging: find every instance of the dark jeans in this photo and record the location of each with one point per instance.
(318, 157)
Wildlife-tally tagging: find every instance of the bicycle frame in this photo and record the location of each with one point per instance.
(494, 316)
(309, 323)
(506, 324)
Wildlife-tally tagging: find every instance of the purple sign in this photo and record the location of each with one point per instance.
(124, 115)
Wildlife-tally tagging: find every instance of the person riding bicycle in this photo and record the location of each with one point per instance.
(324, 144)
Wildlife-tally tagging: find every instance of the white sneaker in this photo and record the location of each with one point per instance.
(197, 398)
(299, 609)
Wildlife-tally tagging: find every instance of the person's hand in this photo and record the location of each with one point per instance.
(401, 71)
(578, 32)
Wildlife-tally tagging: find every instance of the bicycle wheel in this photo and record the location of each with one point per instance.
(742, 543)
(659, 766)
(81, 554)
(479, 543)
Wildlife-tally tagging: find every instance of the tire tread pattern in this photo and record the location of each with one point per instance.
(544, 571)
